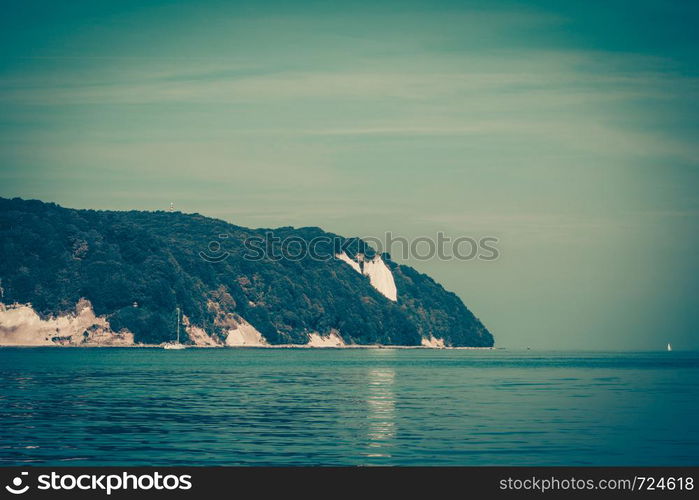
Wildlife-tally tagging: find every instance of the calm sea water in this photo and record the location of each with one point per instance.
(132, 406)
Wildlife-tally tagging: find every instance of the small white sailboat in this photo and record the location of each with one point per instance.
(669, 347)
(176, 344)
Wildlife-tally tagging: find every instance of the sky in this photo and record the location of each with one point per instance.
(567, 130)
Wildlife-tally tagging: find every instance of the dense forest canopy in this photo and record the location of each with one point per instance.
(137, 267)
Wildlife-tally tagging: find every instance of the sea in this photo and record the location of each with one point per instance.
(64, 406)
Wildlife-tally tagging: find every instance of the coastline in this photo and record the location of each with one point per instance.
(22, 326)
(278, 346)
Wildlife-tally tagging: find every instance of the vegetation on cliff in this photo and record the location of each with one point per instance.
(137, 267)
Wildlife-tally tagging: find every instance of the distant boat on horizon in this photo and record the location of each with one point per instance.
(669, 347)
(176, 344)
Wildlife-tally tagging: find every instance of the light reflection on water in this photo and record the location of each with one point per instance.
(347, 407)
(382, 407)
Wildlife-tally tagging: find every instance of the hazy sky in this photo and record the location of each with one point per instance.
(566, 129)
